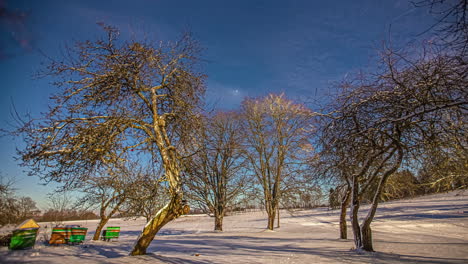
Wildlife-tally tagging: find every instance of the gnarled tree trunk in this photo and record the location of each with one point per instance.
(173, 209)
(169, 212)
(366, 232)
(363, 232)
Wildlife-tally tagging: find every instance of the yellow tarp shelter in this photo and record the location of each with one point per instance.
(30, 223)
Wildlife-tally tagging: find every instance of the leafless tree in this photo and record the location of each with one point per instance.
(118, 97)
(331, 168)
(391, 118)
(216, 175)
(7, 201)
(14, 209)
(60, 204)
(107, 191)
(278, 133)
(451, 27)
(26, 208)
(301, 194)
(337, 175)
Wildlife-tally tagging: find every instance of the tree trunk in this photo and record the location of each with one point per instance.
(169, 212)
(271, 220)
(344, 206)
(218, 221)
(175, 207)
(355, 226)
(278, 222)
(99, 228)
(366, 232)
(366, 235)
(271, 212)
(354, 214)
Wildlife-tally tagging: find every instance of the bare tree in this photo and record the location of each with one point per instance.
(331, 168)
(277, 133)
(419, 79)
(301, 194)
(26, 208)
(7, 201)
(108, 191)
(216, 175)
(391, 118)
(118, 97)
(60, 204)
(14, 209)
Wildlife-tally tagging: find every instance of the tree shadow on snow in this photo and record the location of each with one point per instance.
(163, 232)
(422, 215)
(176, 260)
(242, 247)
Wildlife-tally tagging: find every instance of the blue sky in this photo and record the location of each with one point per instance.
(251, 47)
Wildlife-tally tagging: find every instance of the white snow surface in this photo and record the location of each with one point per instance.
(429, 229)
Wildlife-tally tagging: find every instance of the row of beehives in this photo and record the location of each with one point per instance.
(26, 237)
(75, 235)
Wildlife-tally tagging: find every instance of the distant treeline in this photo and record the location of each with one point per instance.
(15, 209)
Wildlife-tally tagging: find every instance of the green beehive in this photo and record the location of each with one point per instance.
(78, 234)
(112, 232)
(23, 238)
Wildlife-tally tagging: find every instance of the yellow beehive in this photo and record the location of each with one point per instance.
(30, 223)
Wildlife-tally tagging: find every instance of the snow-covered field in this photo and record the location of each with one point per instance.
(430, 229)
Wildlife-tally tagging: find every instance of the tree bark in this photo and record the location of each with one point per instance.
(344, 206)
(175, 207)
(271, 211)
(271, 221)
(99, 228)
(219, 215)
(105, 218)
(278, 222)
(169, 212)
(366, 235)
(354, 214)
